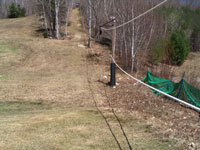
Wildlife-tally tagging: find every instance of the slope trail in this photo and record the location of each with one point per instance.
(43, 69)
(35, 72)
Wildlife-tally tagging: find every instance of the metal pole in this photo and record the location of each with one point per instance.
(181, 85)
(199, 116)
(174, 98)
(113, 75)
(113, 66)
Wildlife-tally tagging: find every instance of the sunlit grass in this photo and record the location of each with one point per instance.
(41, 73)
(6, 47)
(38, 126)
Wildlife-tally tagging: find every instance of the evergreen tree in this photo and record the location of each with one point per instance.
(179, 47)
(12, 12)
(16, 11)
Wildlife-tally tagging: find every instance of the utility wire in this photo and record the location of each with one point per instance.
(98, 109)
(118, 120)
(103, 116)
(146, 12)
(107, 23)
(101, 113)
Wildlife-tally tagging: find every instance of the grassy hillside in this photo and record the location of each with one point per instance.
(45, 100)
(35, 126)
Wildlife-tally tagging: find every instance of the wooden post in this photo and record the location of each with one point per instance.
(181, 85)
(113, 38)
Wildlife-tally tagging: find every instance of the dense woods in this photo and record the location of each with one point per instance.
(16, 11)
(55, 15)
(29, 5)
(166, 35)
(60, 89)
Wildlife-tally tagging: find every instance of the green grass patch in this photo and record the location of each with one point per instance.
(13, 108)
(4, 76)
(44, 127)
(5, 47)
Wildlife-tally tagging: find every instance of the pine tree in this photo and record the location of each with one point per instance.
(13, 12)
(16, 11)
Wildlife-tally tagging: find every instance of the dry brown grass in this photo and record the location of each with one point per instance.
(43, 83)
(191, 67)
(43, 69)
(53, 127)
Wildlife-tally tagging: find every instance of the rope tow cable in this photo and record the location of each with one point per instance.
(146, 12)
(172, 97)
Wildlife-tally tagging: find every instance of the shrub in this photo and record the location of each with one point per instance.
(16, 11)
(21, 11)
(158, 51)
(179, 47)
(12, 12)
(69, 23)
(45, 34)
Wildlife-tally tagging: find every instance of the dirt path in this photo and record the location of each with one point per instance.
(41, 69)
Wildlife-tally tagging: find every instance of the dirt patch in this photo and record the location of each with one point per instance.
(165, 116)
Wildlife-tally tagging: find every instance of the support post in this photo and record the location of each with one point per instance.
(113, 66)
(199, 116)
(180, 88)
(113, 38)
(113, 75)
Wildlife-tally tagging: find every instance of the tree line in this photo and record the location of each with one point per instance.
(29, 5)
(55, 15)
(165, 35)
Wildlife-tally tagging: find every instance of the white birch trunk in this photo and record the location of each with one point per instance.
(133, 45)
(67, 15)
(105, 6)
(50, 23)
(57, 5)
(67, 22)
(45, 18)
(126, 52)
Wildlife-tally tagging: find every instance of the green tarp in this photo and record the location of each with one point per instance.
(181, 90)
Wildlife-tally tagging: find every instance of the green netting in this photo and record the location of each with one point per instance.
(182, 90)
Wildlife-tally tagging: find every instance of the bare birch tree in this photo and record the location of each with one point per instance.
(56, 16)
(69, 6)
(131, 39)
(57, 9)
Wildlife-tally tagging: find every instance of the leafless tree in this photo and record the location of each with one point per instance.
(55, 14)
(29, 5)
(131, 39)
(69, 6)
